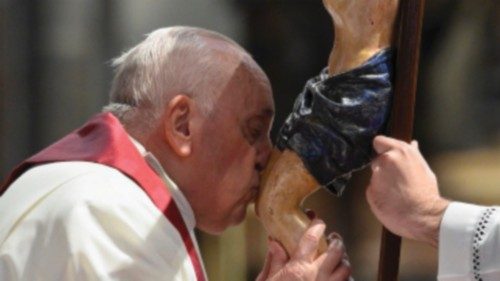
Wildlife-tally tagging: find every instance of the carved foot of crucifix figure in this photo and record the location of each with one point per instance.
(362, 29)
(328, 135)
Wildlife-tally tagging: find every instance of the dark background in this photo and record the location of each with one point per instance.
(55, 73)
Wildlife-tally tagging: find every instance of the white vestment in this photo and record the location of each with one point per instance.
(86, 221)
(469, 243)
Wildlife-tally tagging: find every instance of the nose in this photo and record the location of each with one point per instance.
(264, 150)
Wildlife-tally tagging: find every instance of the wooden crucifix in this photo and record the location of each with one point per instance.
(369, 36)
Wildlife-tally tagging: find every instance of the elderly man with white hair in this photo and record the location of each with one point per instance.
(180, 146)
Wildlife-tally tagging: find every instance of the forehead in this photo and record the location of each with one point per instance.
(249, 92)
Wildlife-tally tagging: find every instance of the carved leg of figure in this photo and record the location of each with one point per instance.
(287, 183)
(362, 28)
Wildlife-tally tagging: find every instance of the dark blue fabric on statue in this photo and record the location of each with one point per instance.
(335, 119)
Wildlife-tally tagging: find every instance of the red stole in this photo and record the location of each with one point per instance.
(103, 140)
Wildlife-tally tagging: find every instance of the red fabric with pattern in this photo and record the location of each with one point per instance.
(103, 140)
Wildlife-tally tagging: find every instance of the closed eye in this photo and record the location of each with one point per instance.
(255, 130)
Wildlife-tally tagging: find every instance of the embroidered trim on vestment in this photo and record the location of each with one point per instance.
(479, 236)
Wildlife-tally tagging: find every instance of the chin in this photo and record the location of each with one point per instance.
(213, 228)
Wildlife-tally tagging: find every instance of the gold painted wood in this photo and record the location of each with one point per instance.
(362, 28)
(286, 184)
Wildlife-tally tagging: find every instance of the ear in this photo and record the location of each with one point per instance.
(177, 122)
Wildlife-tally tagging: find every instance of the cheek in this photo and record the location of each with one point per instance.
(236, 177)
(236, 155)
(240, 170)
(231, 167)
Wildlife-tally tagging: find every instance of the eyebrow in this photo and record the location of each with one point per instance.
(267, 112)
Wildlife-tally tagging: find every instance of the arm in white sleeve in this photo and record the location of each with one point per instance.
(469, 243)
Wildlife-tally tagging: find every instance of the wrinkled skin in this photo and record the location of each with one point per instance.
(215, 158)
(403, 192)
(304, 264)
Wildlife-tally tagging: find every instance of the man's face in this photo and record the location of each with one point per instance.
(233, 148)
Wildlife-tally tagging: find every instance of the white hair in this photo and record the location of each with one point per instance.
(173, 60)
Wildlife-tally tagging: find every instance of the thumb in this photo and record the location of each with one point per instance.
(277, 259)
(382, 144)
(414, 143)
